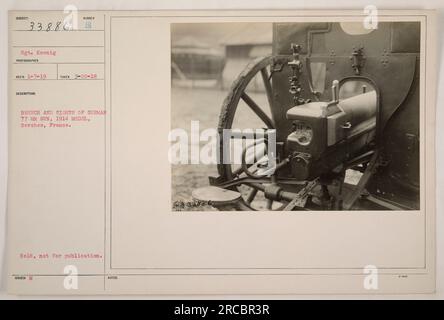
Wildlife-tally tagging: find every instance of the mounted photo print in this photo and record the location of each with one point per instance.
(341, 103)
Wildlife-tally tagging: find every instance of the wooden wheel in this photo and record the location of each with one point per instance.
(242, 97)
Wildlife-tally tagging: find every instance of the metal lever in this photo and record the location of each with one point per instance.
(335, 91)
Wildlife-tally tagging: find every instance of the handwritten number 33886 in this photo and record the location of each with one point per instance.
(50, 26)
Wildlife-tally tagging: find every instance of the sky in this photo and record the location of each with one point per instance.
(210, 33)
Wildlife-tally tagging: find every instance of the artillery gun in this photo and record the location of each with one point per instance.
(339, 102)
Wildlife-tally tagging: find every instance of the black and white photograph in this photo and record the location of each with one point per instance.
(295, 116)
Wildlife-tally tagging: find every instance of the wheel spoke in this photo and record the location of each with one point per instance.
(251, 195)
(257, 110)
(268, 88)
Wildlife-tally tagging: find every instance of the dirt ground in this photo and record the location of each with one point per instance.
(204, 105)
(191, 104)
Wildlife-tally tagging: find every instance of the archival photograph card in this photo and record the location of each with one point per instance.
(221, 152)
